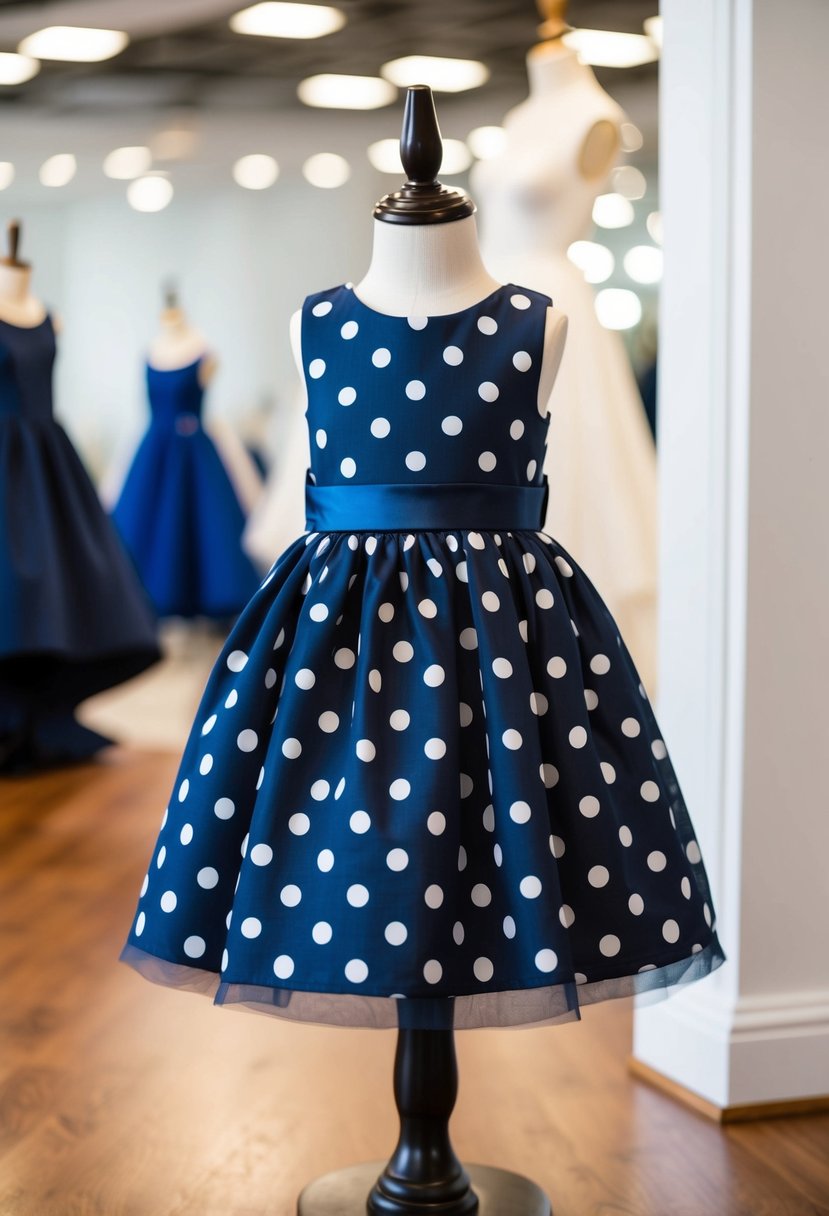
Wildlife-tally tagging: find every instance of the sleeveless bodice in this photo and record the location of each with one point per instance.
(27, 356)
(176, 396)
(416, 401)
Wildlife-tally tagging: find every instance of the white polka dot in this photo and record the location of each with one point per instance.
(608, 772)
(462, 572)
(347, 395)
(502, 668)
(546, 960)
(207, 878)
(359, 822)
(544, 598)
(521, 361)
(247, 740)
(468, 639)
(483, 970)
(403, 651)
(290, 895)
(232, 698)
(625, 836)
(610, 945)
(349, 330)
(706, 912)
(340, 787)
(435, 566)
(436, 823)
(630, 728)
(659, 749)
(415, 461)
(321, 437)
(512, 739)
(598, 876)
(549, 775)
(465, 714)
(451, 425)
(348, 467)
(381, 357)
(322, 933)
(434, 675)
(168, 901)
(481, 895)
(453, 355)
(396, 933)
(328, 721)
(530, 887)
(433, 896)
(397, 859)
(298, 824)
(649, 791)
(415, 390)
(400, 789)
(520, 812)
(205, 764)
(490, 601)
(356, 971)
(556, 667)
(520, 301)
(209, 724)
(183, 790)
(375, 680)
(283, 967)
(316, 368)
(589, 806)
(488, 391)
(224, 808)
(657, 861)
(305, 678)
(365, 750)
(487, 461)
(261, 854)
(692, 853)
(539, 704)
(458, 933)
(670, 931)
(386, 612)
(237, 660)
(427, 608)
(318, 612)
(577, 736)
(325, 860)
(516, 429)
(380, 428)
(488, 817)
(566, 915)
(320, 790)
(636, 904)
(399, 719)
(140, 923)
(487, 325)
(186, 833)
(433, 971)
(435, 749)
(345, 658)
(251, 926)
(557, 847)
(600, 664)
(322, 309)
(531, 469)
(270, 674)
(194, 947)
(418, 322)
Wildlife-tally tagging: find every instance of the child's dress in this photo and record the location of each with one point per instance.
(424, 766)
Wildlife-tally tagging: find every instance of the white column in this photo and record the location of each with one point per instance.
(744, 473)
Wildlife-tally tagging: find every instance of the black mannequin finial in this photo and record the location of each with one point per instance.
(422, 200)
(14, 230)
(170, 289)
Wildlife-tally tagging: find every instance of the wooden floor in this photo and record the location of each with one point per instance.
(118, 1098)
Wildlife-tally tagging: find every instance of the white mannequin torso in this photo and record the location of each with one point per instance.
(178, 344)
(17, 304)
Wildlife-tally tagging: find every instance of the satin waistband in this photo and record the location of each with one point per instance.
(436, 507)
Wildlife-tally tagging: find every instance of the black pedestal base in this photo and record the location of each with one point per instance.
(345, 1193)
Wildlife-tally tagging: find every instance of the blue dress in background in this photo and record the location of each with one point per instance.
(425, 783)
(74, 618)
(178, 513)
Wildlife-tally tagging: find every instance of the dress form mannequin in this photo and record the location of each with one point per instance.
(426, 262)
(179, 343)
(18, 306)
(537, 198)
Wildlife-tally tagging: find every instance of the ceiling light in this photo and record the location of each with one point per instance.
(612, 211)
(442, 75)
(6, 174)
(334, 92)
(275, 20)
(149, 193)
(629, 181)
(326, 170)
(643, 264)
(385, 156)
(125, 163)
(174, 143)
(74, 44)
(256, 171)
(58, 170)
(17, 69)
(608, 49)
(486, 142)
(654, 226)
(456, 157)
(632, 137)
(595, 261)
(618, 308)
(653, 28)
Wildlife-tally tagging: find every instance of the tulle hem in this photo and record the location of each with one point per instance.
(525, 1007)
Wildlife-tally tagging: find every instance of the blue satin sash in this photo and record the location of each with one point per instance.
(403, 508)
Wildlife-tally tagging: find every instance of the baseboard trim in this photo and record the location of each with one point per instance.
(726, 1114)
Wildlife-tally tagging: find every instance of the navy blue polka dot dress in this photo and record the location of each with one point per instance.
(425, 785)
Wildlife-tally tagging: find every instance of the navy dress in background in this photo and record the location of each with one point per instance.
(425, 783)
(178, 513)
(74, 618)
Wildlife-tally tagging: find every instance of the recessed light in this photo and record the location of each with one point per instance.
(609, 49)
(126, 163)
(74, 43)
(276, 20)
(337, 92)
(327, 170)
(629, 181)
(595, 261)
(612, 211)
(256, 171)
(618, 308)
(654, 226)
(442, 75)
(17, 69)
(653, 29)
(384, 155)
(643, 264)
(6, 174)
(149, 193)
(486, 142)
(632, 137)
(58, 170)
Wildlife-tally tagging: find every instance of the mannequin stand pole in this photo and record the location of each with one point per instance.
(423, 1176)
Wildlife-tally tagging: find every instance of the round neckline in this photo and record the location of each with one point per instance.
(438, 316)
(183, 367)
(26, 328)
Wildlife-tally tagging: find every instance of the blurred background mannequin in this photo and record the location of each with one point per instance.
(535, 199)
